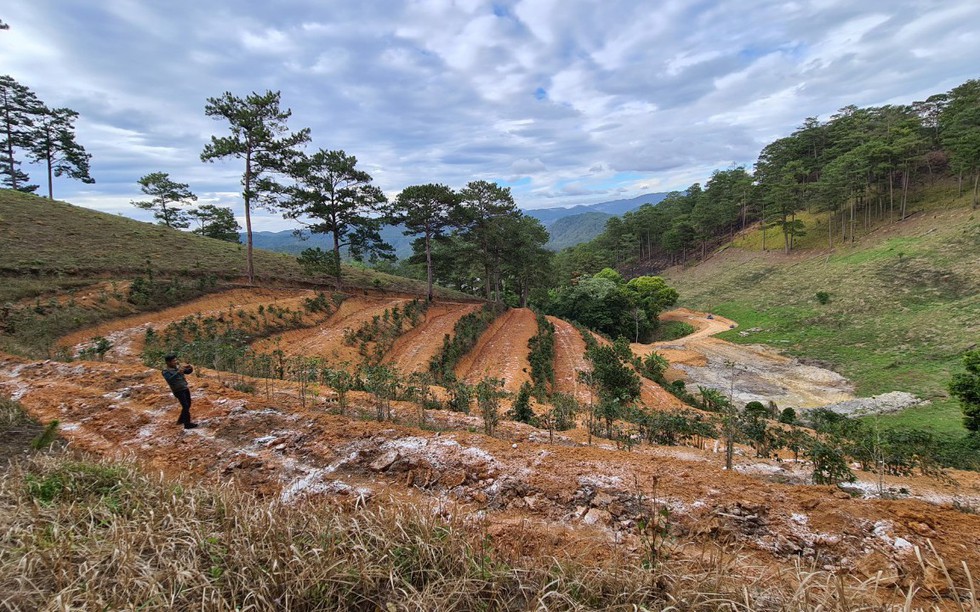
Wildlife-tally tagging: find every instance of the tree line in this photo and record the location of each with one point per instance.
(858, 168)
(29, 129)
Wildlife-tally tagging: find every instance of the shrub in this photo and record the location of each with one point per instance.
(823, 297)
(521, 410)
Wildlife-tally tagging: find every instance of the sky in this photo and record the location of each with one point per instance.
(564, 101)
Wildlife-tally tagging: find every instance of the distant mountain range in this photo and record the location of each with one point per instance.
(567, 227)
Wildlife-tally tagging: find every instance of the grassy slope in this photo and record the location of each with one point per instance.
(50, 245)
(904, 301)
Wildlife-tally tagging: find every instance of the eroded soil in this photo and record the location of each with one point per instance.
(523, 480)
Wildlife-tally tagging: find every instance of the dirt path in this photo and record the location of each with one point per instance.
(413, 350)
(569, 360)
(760, 373)
(274, 445)
(501, 351)
(327, 340)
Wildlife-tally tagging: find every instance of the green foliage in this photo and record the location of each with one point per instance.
(829, 464)
(460, 395)
(216, 222)
(823, 297)
(383, 330)
(165, 191)
(654, 365)
(614, 381)
(333, 197)
(99, 347)
(564, 407)
(425, 211)
(53, 145)
(47, 437)
(488, 394)
(965, 386)
(317, 262)
(521, 410)
(260, 137)
(541, 356)
(604, 303)
(382, 381)
(788, 416)
(672, 330)
(76, 481)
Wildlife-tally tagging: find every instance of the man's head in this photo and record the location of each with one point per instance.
(171, 360)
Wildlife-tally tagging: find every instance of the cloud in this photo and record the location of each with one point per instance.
(570, 101)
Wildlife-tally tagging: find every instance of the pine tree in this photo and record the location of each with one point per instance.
(259, 136)
(53, 144)
(18, 107)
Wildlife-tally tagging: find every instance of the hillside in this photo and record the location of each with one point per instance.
(51, 244)
(316, 404)
(576, 229)
(904, 301)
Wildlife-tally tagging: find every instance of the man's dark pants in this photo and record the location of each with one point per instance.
(184, 397)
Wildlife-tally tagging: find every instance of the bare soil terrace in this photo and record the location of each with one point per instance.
(532, 490)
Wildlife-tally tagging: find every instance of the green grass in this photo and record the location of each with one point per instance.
(904, 305)
(51, 245)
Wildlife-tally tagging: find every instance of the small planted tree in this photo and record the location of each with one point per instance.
(165, 192)
(488, 394)
(521, 410)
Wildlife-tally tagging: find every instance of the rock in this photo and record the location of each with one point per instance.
(595, 516)
(452, 478)
(385, 461)
(878, 565)
(902, 545)
(601, 500)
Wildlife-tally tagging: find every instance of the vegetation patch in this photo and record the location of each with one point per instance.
(466, 333)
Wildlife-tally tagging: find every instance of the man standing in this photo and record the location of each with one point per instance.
(174, 375)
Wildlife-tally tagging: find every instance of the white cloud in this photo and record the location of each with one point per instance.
(571, 100)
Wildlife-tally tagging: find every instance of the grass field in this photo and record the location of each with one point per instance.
(903, 303)
(51, 245)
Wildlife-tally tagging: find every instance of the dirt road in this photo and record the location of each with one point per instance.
(755, 372)
(501, 351)
(415, 348)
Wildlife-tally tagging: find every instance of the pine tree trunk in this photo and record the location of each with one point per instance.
(428, 265)
(336, 260)
(249, 268)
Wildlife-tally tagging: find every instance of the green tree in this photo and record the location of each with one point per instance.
(260, 137)
(528, 263)
(425, 211)
(615, 383)
(521, 410)
(216, 222)
(653, 295)
(488, 394)
(332, 196)
(18, 106)
(484, 207)
(53, 144)
(965, 386)
(959, 125)
(164, 191)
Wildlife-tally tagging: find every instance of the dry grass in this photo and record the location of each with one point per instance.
(81, 533)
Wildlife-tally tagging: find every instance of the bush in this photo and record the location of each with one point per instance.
(823, 297)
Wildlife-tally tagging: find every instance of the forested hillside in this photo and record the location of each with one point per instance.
(841, 178)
